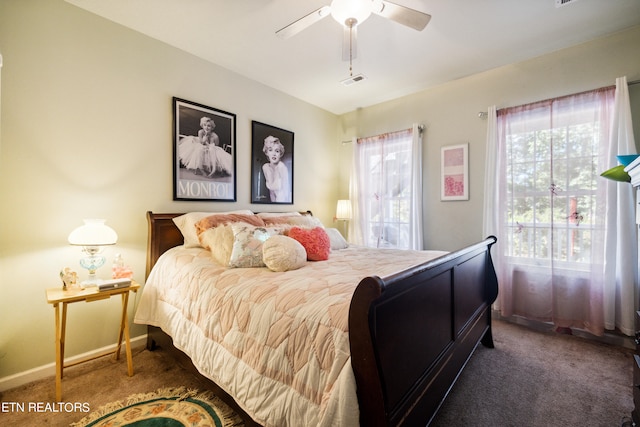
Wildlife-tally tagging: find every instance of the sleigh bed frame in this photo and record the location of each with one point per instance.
(405, 358)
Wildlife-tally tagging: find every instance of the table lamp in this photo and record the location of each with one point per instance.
(92, 236)
(343, 212)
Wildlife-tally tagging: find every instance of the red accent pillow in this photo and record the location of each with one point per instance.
(315, 241)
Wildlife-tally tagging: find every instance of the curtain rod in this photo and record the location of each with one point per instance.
(420, 129)
(484, 114)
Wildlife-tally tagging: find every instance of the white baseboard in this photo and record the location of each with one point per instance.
(49, 370)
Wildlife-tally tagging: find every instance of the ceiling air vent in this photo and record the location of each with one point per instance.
(560, 3)
(353, 79)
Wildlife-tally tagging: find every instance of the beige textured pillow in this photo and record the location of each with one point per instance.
(219, 241)
(282, 253)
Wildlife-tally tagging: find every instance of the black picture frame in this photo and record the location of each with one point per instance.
(204, 164)
(283, 173)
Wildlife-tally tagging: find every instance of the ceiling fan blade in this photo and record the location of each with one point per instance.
(349, 45)
(403, 15)
(304, 22)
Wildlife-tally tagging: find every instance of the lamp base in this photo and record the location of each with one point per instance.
(92, 263)
(345, 229)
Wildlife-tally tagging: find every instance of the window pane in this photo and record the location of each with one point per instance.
(389, 183)
(551, 182)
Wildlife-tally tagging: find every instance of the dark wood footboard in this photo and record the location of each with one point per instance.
(412, 333)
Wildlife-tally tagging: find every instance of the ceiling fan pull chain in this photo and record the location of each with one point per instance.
(351, 51)
(351, 22)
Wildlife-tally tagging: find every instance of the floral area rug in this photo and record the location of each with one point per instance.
(172, 407)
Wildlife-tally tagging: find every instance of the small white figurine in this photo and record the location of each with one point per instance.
(68, 277)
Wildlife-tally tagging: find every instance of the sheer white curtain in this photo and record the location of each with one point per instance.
(552, 213)
(386, 190)
(491, 189)
(621, 258)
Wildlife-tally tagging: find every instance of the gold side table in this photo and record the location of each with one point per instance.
(58, 296)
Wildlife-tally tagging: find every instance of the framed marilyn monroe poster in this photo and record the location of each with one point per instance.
(204, 152)
(271, 164)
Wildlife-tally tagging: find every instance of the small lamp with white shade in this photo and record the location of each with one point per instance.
(343, 212)
(92, 236)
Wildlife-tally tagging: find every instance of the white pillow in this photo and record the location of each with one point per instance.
(282, 253)
(335, 237)
(187, 225)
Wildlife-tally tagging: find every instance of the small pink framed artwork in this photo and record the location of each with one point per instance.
(454, 168)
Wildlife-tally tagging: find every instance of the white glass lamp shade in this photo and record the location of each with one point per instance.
(94, 232)
(91, 236)
(343, 210)
(344, 10)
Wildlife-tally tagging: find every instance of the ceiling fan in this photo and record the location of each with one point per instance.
(351, 13)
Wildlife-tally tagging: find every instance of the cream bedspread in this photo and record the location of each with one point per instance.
(277, 342)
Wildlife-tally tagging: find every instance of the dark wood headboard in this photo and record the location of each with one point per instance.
(163, 235)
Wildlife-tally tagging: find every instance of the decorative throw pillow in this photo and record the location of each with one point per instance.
(337, 241)
(315, 241)
(186, 225)
(264, 215)
(282, 253)
(219, 241)
(307, 221)
(247, 244)
(215, 220)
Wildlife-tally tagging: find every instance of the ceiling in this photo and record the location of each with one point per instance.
(464, 37)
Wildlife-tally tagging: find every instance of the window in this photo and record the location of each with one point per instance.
(551, 183)
(388, 179)
(552, 207)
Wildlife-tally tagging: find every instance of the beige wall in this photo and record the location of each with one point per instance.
(86, 131)
(450, 114)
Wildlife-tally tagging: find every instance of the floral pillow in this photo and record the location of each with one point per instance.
(247, 244)
(315, 241)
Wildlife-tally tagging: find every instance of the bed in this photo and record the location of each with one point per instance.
(400, 329)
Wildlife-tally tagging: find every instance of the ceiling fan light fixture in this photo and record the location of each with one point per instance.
(345, 11)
